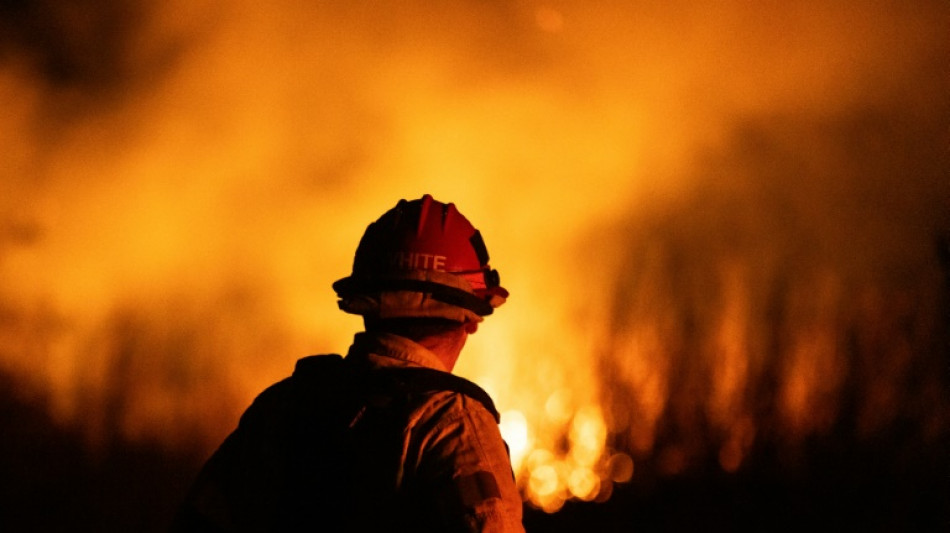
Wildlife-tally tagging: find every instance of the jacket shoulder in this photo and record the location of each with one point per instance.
(320, 370)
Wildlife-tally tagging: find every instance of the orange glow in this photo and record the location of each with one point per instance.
(677, 195)
(514, 429)
(620, 468)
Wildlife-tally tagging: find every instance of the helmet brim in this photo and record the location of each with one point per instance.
(440, 286)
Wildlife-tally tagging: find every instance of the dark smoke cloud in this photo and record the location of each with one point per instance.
(89, 49)
(829, 230)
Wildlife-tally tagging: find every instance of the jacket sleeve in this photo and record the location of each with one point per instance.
(458, 448)
(205, 508)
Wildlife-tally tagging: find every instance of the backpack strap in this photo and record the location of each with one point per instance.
(402, 381)
(318, 365)
(417, 381)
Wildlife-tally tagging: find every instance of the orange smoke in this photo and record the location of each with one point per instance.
(697, 209)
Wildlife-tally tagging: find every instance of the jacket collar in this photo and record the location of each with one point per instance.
(387, 349)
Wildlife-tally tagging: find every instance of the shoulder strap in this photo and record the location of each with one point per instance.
(318, 365)
(409, 381)
(418, 381)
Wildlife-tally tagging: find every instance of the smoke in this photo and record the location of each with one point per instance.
(716, 221)
(796, 291)
(802, 296)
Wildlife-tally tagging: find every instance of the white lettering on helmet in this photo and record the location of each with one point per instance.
(418, 261)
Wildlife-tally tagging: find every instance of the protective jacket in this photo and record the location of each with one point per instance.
(383, 440)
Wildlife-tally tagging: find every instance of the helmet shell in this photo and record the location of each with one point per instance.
(426, 255)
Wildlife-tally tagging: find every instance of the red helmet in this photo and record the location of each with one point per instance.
(421, 258)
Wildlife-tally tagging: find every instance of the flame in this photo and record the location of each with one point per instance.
(677, 197)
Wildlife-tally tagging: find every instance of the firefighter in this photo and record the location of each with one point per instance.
(387, 438)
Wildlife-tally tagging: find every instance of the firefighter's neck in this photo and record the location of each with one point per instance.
(446, 346)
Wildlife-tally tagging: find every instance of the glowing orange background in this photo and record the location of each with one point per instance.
(716, 222)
